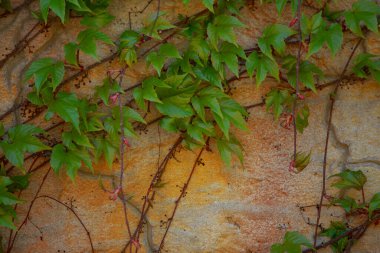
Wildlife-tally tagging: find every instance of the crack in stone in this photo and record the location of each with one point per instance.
(366, 162)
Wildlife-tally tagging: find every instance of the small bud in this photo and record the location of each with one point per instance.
(126, 142)
(300, 96)
(328, 197)
(136, 243)
(291, 166)
(293, 22)
(114, 97)
(115, 193)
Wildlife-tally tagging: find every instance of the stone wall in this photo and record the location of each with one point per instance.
(225, 209)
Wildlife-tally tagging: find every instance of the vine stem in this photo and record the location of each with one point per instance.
(22, 44)
(150, 194)
(19, 194)
(104, 60)
(11, 241)
(76, 216)
(324, 166)
(122, 139)
(294, 109)
(16, 9)
(360, 229)
(363, 195)
(181, 195)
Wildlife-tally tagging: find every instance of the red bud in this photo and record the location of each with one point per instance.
(300, 96)
(113, 98)
(126, 142)
(293, 22)
(291, 166)
(115, 193)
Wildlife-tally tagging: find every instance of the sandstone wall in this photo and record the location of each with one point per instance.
(226, 209)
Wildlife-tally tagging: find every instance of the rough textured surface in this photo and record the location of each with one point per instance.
(226, 209)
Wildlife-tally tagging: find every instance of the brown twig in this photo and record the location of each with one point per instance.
(294, 109)
(361, 229)
(102, 61)
(122, 139)
(19, 194)
(23, 43)
(11, 240)
(181, 195)
(76, 215)
(16, 9)
(331, 109)
(150, 194)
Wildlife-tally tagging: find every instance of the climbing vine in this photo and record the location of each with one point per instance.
(189, 87)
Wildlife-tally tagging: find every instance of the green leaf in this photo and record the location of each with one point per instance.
(312, 25)
(222, 29)
(69, 159)
(198, 107)
(263, 65)
(223, 123)
(108, 88)
(6, 220)
(333, 37)
(302, 119)
(276, 99)
(174, 110)
(274, 36)
(306, 75)
(98, 21)
(366, 64)
(157, 59)
(209, 74)
(280, 5)
(363, 11)
(297, 238)
(128, 39)
(7, 198)
(149, 93)
(350, 179)
(44, 68)
(6, 4)
(169, 50)
(336, 229)
(169, 124)
(107, 149)
(65, 105)
(228, 147)
(21, 139)
(374, 204)
(20, 182)
(229, 54)
(234, 112)
(301, 161)
(209, 4)
(195, 132)
(79, 139)
(87, 41)
(129, 56)
(2, 129)
(292, 243)
(131, 114)
(139, 98)
(154, 24)
(71, 50)
(57, 6)
(347, 203)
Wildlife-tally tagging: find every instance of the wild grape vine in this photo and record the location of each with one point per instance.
(190, 91)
